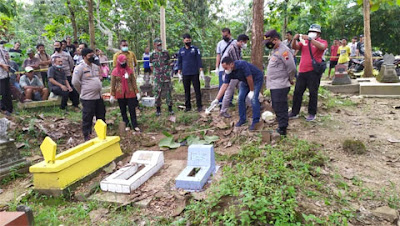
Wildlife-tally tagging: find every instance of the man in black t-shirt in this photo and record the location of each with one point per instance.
(360, 47)
(70, 48)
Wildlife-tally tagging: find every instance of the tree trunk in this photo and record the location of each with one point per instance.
(257, 48)
(73, 21)
(367, 40)
(285, 20)
(91, 25)
(162, 27)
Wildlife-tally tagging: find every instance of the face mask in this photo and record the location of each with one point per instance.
(124, 49)
(269, 45)
(227, 72)
(188, 44)
(244, 46)
(226, 38)
(59, 66)
(123, 65)
(57, 49)
(159, 48)
(91, 59)
(312, 35)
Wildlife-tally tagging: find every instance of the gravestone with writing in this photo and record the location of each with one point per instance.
(200, 166)
(388, 74)
(341, 77)
(142, 166)
(10, 157)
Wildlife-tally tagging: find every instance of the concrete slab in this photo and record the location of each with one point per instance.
(130, 177)
(373, 88)
(353, 88)
(44, 103)
(200, 166)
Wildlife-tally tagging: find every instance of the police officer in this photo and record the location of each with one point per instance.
(86, 80)
(189, 64)
(160, 65)
(280, 72)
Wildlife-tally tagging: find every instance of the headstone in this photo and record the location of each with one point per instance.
(10, 157)
(341, 77)
(207, 80)
(146, 89)
(142, 166)
(388, 74)
(200, 166)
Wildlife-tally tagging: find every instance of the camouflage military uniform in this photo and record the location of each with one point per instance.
(160, 61)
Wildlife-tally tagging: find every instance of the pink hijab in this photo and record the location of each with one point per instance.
(120, 72)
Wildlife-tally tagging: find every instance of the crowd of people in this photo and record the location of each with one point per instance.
(75, 72)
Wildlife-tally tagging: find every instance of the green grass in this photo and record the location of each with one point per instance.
(262, 188)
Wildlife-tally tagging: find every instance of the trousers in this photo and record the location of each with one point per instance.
(131, 103)
(310, 80)
(91, 108)
(280, 105)
(192, 79)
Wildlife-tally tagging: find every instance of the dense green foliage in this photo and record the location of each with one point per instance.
(138, 21)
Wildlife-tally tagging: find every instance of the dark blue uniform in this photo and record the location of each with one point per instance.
(189, 63)
(241, 71)
(189, 60)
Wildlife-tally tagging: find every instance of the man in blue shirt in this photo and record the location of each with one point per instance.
(251, 82)
(146, 61)
(189, 64)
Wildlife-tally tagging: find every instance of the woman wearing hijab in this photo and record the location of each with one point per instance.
(124, 89)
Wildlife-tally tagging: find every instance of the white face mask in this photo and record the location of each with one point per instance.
(244, 46)
(227, 72)
(312, 35)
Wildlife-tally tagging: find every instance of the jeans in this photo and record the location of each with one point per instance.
(280, 105)
(91, 108)
(255, 103)
(306, 80)
(187, 80)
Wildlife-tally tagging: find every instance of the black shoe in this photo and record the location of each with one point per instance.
(188, 109)
(199, 109)
(171, 112)
(281, 131)
(87, 138)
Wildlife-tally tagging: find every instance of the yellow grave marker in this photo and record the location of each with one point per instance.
(57, 172)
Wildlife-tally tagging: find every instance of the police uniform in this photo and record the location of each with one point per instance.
(86, 80)
(160, 61)
(281, 70)
(189, 63)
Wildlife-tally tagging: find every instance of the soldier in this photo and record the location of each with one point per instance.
(160, 65)
(280, 73)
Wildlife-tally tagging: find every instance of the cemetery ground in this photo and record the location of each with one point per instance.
(340, 169)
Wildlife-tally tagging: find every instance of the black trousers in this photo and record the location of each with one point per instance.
(280, 105)
(131, 103)
(306, 80)
(187, 80)
(91, 108)
(64, 96)
(5, 91)
(74, 95)
(45, 79)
